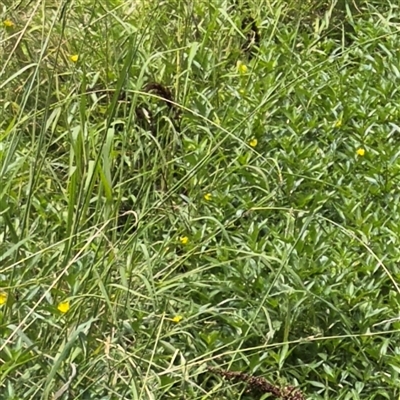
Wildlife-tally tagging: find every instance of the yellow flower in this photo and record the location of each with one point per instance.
(184, 239)
(177, 319)
(8, 23)
(360, 152)
(242, 68)
(207, 196)
(63, 307)
(74, 58)
(253, 142)
(338, 123)
(3, 298)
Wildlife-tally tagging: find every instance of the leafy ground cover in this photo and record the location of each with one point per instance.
(199, 200)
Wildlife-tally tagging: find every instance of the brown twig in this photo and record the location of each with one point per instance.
(260, 385)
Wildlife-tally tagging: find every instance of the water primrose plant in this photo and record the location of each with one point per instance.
(177, 318)
(208, 196)
(215, 185)
(63, 307)
(74, 58)
(7, 23)
(184, 239)
(253, 142)
(3, 298)
(361, 152)
(241, 67)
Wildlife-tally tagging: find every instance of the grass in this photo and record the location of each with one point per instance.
(232, 227)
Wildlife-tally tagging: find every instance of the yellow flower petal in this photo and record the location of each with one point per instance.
(184, 239)
(8, 23)
(338, 123)
(242, 68)
(74, 58)
(253, 142)
(207, 196)
(63, 307)
(360, 152)
(177, 319)
(3, 298)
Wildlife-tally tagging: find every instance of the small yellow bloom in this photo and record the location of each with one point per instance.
(253, 142)
(8, 23)
(184, 239)
(63, 307)
(360, 152)
(177, 319)
(242, 68)
(74, 58)
(207, 196)
(338, 123)
(3, 298)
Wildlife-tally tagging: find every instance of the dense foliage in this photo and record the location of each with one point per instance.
(195, 185)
